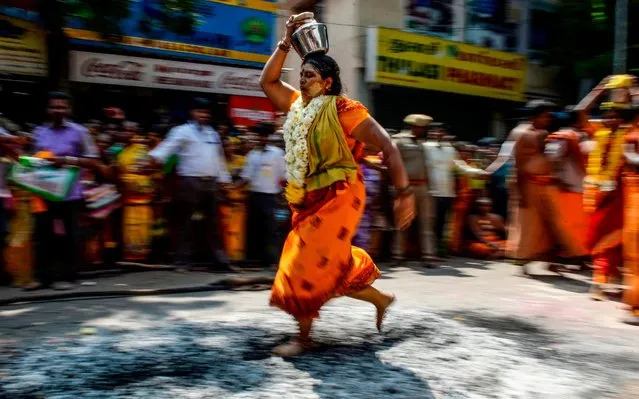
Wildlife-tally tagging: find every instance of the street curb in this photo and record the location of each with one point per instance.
(235, 283)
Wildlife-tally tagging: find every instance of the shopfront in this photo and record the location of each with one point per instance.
(141, 85)
(154, 66)
(23, 61)
(467, 87)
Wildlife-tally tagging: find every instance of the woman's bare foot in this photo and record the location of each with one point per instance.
(381, 310)
(293, 348)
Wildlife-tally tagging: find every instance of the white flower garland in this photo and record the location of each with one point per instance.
(298, 122)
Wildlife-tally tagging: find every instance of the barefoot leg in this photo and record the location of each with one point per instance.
(298, 345)
(380, 300)
(305, 326)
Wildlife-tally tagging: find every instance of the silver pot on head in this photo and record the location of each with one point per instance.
(310, 38)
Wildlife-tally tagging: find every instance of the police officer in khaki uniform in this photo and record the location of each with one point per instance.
(413, 154)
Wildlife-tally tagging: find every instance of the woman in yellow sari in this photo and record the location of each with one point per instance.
(325, 134)
(137, 186)
(233, 210)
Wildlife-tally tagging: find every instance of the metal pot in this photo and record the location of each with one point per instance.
(310, 38)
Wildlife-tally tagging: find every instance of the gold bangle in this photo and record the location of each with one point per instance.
(407, 190)
(284, 45)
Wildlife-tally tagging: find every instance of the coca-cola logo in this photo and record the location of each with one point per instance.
(123, 70)
(232, 81)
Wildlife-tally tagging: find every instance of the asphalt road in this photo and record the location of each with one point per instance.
(467, 330)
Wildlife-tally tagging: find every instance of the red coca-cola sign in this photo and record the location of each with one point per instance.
(123, 70)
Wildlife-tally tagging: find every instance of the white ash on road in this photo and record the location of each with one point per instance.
(422, 355)
(465, 330)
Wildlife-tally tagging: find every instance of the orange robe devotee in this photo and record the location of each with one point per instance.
(318, 261)
(552, 221)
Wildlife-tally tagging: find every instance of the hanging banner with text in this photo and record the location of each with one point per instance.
(162, 74)
(22, 47)
(405, 59)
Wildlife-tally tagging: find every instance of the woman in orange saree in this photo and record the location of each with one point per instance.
(325, 134)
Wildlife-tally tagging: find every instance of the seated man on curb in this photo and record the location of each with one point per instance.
(487, 230)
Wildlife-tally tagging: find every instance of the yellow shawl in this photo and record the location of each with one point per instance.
(329, 157)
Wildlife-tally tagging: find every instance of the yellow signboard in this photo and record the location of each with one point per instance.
(22, 48)
(423, 62)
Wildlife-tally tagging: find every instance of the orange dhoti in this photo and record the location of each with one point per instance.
(318, 261)
(514, 226)
(553, 219)
(631, 241)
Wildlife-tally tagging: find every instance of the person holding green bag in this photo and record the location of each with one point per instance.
(57, 227)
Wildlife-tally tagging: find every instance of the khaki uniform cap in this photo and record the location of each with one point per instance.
(418, 120)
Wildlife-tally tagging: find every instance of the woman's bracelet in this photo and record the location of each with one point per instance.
(284, 45)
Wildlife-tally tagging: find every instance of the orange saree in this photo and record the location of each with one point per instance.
(318, 261)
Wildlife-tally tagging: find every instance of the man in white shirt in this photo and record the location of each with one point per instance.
(441, 161)
(200, 168)
(264, 172)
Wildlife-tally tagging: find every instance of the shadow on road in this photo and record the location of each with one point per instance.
(343, 366)
(350, 368)
(564, 283)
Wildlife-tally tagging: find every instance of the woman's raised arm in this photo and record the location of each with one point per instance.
(280, 93)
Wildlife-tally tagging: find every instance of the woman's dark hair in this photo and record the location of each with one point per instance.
(327, 68)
